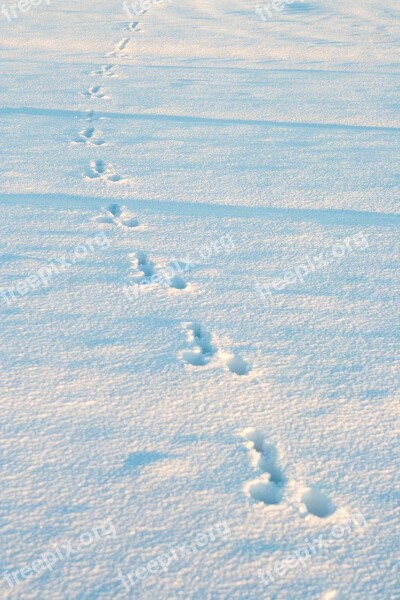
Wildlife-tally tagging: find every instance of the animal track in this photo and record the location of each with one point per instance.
(119, 48)
(106, 71)
(90, 116)
(96, 169)
(201, 350)
(99, 170)
(317, 503)
(115, 210)
(145, 266)
(95, 91)
(177, 282)
(174, 275)
(135, 27)
(89, 136)
(122, 44)
(268, 488)
(237, 365)
(117, 215)
(165, 277)
(200, 343)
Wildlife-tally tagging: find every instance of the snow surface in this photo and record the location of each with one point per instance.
(199, 301)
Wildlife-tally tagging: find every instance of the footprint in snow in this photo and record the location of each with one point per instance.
(115, 210)
(177, 282)
(135, 27)
(107, 71)
(201, 348)
(145, 267)
(268, 487)
(117, 215)
(96, 91)
(237, 365)
(89, 136)
(316, 503)
(120, 47)
(90, 116)
(145, 272)
(98, 169)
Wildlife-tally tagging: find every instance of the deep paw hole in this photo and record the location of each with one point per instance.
(148, 270)
(267, 492)
(114, 209)
(100, 166)
(317, 503)
(145, 265)
(88, 133)
(252, 435)
(178, 282)
(238, 366)
(196, 329)
(206, 346)
(197, 359)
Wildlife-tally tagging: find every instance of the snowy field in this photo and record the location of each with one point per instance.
(199, 300)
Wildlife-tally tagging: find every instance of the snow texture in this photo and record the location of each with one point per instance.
(199, 250)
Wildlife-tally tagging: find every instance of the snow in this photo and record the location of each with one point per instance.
(199, 300)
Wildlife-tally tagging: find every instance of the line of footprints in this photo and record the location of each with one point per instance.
(269, 486)
(201, 348)
(97, 170)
